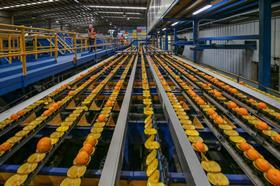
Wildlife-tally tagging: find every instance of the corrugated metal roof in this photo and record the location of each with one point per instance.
(77, 13)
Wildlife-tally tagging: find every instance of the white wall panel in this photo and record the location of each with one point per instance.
(235, 61)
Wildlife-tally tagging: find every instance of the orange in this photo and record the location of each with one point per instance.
(252, 154)
(217, 94)
(64, 86)
(244, 146)
(5, 146)
(109, 103)
(233, 90)
(242, 83)
(199, 146)
(55, 106)
(220, 83)
(82, 158)
(71, 93)
(119, 83)
(262, 164)
(262, 125)
(51, 109)
(219, 120)
(211, 112)
(276, 138)
(101, 118)
(242, 111)
(14, 117)
(164, 83)
(117, 87)
(91, 140)
(46, 113)
(88, 148)
(214, 116)
(213, 79)
(251, 100)
(20, 113)
(226, 87)
(201, 101)
(262, 105)
(231, 105)
(44, 145)
(273, 176)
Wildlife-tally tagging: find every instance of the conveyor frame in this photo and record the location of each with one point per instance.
(112, 167)
(192, 169)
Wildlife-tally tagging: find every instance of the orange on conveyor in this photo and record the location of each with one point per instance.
(44, 146)
(193, 135)
(251, 154)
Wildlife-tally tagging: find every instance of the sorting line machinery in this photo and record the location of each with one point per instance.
(142, 117)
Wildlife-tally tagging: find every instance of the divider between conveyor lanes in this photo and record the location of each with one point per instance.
(13, 143)
(47, 145)
(212, 168)
(257, 108)
(154, 169)
(258, 129)
(249, 154)
(27, 114)
(83, 157)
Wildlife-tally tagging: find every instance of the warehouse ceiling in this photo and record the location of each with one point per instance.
(77, 14)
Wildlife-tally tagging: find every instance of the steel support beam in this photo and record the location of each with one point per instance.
(264, 75)
(190, 165)
(219, 46)
(160, 41)
(111, 171)
(175, 39)
(195, 37)
(226, 38)
(166, 40)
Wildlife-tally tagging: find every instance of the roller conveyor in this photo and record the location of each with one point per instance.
(142, 117)
(259, 137)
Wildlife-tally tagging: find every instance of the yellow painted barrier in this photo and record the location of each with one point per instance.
(14, 39)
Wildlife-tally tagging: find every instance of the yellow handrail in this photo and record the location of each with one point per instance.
(15, 42)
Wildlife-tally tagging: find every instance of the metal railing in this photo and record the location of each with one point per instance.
(17, 42)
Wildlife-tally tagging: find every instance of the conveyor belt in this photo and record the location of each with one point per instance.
(65, 127)
(141, 117)
(34, 126)
(259, 134)
(270, 115)
(192, 86)
(256, 93)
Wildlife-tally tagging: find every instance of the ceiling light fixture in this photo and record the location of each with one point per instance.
(120, 17)
(173, 24)
(202, 9)
(119, 7)
(27, 4)
(163, 29)
(120, 13)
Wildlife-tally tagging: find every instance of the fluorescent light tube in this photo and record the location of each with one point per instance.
(127, 13)
(202, 9)
(173, 24)
(27, 4)
(119, 7)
